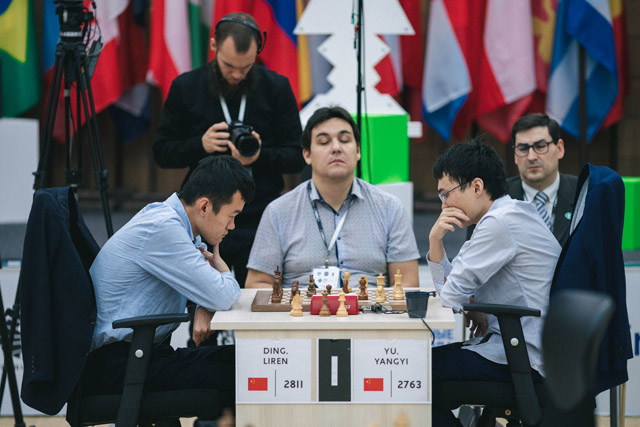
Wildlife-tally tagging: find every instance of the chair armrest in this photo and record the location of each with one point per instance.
(515, 349)
(497, 309)
(150, 320)
(144, 328)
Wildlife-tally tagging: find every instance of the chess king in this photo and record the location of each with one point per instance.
(334, 221)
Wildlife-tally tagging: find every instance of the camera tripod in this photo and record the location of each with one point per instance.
(7, 338)
(73, 63)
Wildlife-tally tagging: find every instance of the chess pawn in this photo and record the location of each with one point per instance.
(296, 305)
(381, 296)
(324, 311)
(345, 281)
(398, 292)
(363, 295)
(342, 310)
(294, 290)
(328, 289)
(311, 290)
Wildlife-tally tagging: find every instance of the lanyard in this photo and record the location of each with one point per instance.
(225, 109)
(319, 223)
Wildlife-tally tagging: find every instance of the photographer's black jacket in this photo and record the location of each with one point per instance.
(191, 108)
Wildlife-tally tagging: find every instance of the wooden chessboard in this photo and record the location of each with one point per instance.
(262, 300)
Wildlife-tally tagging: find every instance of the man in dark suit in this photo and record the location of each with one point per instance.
(538, 148)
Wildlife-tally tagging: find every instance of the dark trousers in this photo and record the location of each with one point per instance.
(169, 369)
(452, 362)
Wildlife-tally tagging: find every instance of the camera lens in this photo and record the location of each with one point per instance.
(247, 144)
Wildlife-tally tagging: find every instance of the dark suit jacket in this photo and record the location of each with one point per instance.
(58, 308)
(592, 259)
(564, 207)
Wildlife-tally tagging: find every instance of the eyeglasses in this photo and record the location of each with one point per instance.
(539, 147)
(443, 196)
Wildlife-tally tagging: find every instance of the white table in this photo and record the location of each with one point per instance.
(363, 332)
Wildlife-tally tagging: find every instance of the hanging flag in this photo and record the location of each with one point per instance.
(200, 15)
(620, 37)
(586, 23)
(278, 19)
(506, 78)
(446, 80)
(170, 47)
(258, 384)
(543, 24)
(390, 67)
(373, 384)
(20, 80)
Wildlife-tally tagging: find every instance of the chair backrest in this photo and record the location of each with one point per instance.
(573, 330)
(58, 309)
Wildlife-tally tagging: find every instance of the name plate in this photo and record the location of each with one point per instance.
(391, 371)
(273, 371)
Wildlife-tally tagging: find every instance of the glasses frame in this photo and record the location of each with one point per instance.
(443, 196)
(521, 153)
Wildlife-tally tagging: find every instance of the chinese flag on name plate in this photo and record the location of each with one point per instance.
(373, 384)
(258, 384)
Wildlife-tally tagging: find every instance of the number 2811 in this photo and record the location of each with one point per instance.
(292, 383)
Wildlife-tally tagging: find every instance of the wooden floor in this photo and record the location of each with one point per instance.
(188, 422)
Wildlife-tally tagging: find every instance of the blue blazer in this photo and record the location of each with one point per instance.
(592, 259)
(58, 308)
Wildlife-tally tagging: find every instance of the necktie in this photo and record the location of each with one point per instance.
(541, 200)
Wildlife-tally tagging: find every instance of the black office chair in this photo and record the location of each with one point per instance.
(573, 330)
(57, 296)
(518, 401)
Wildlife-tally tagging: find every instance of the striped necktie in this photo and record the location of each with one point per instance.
(541, 200)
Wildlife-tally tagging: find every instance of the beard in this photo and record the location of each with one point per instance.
(220, 86)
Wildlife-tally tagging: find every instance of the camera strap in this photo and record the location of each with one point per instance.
(225, 108)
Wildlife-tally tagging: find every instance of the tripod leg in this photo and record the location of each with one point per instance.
(11, 373)
(94, 144)
(41, 174)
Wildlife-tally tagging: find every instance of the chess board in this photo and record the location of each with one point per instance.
(262, 300)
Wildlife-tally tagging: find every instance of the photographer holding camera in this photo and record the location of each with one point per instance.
(234, 106)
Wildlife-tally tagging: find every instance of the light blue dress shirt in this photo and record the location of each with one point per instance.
(510, 259)
(152, 265)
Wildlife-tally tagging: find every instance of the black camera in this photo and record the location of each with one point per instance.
(245, 142)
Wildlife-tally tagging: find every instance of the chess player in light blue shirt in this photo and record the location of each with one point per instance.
(509, 259)
(154, 264)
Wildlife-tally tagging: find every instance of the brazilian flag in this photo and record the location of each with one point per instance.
(19, 66)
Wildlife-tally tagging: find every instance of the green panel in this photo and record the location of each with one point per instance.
(631, 232)
(385, 156)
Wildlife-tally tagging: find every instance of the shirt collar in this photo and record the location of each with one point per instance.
(175, 202)
(551, 191)
(356, 190)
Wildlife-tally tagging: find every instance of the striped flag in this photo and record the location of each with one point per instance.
(506, 78)
(170, 45)
(20, 80)
(620, 37)
(586, 23)
(446, 80)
